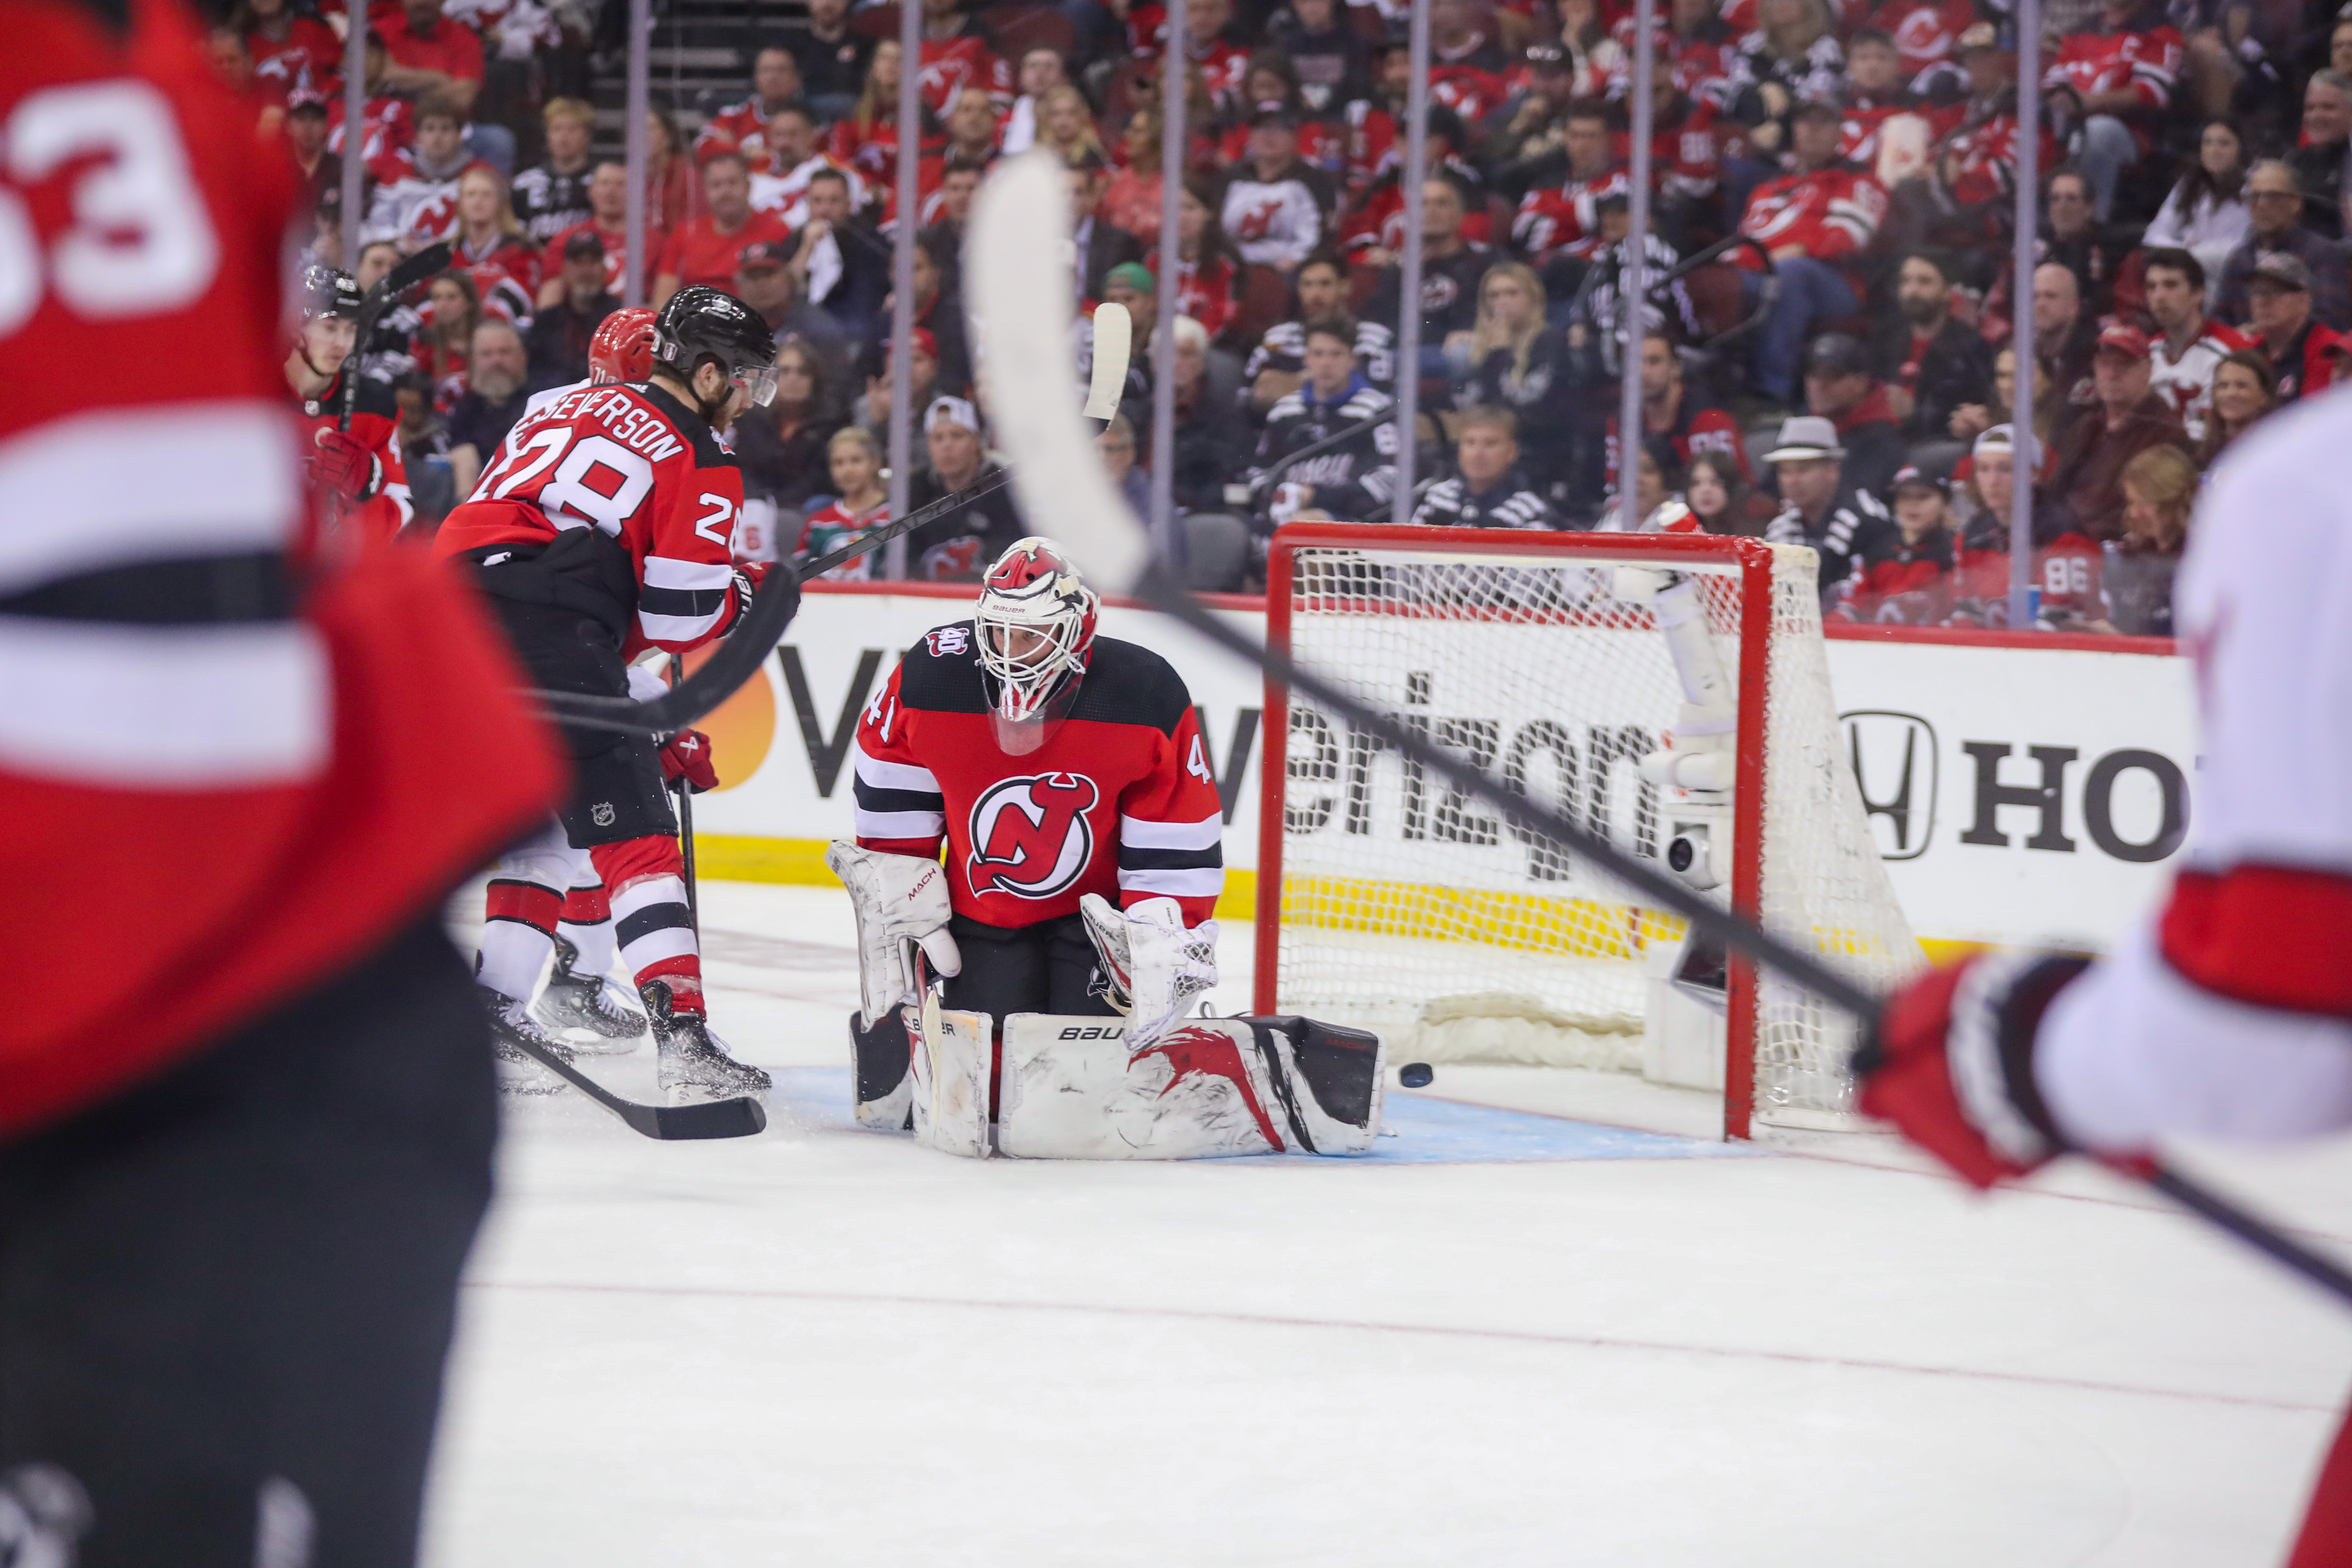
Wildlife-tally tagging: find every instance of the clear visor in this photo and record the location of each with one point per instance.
(758, 384)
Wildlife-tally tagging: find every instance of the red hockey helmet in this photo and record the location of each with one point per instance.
(623, 347)
(1036, 625)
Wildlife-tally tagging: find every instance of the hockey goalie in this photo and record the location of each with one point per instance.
(1029, 996)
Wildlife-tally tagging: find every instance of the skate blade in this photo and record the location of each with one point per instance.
(703, 1093)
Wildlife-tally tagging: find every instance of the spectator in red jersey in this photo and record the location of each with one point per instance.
(2117, 80)
(796, 152)
(775, 83)
(491, 245)
(1926, 34)
(415, 197)
(1980, 574)
(560, 332)
(1553, 218)
(1272, 82)
(2136, 578)
(1872, 93)
(2128, 419)
(2320, 154)
(2281, 325)
(434, 56)
(2205, 213)
(2244, 389)
(384, 123)
(1904, 578)
(2190, 346)
(291, 49)
(671, 186)
(1131, 198)
(496, 367)
(1214, 43)
(1840, 387)
(1678, 425)
(1933, 362)
(608, 221)
(445, 334)
(2275, 203)
(1208, 267)
(706, 249)
(867, 138)
(1813, 221)
(956, 56)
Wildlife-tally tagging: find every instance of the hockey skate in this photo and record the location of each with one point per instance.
(590, 1002)
(518, 1071)
(692, 1060)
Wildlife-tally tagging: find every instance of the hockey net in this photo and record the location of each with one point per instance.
(1388, 899)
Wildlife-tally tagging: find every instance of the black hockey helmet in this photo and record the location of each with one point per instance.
(701, 323)
(330, 292)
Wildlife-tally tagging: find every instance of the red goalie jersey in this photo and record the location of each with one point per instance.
(637, 464)
(1119, 799)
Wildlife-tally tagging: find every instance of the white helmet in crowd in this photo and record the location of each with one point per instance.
(1036, 625)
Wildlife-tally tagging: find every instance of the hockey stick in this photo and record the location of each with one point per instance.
(686, 818)
(743, 651)
(737, 1117)
(419, 268)
(1019, 225)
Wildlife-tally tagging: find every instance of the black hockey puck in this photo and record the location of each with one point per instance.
(1414, 1075)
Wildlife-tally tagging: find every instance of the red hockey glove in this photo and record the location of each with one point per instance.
(1953, 1067)
(343, 464)
(687, 755)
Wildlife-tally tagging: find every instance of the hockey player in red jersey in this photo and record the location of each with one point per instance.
(2228, 1011)
(603, 531)
(1066, 775)
(247, 1109)
(357, 472)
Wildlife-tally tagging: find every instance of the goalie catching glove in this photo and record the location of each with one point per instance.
(1156, 966)
(899, 899)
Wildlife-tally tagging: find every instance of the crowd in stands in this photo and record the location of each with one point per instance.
(1825, 352)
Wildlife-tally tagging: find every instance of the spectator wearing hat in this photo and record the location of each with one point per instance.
(2064, 568)
(1486, 488)
(958, 546)
(2127, 418)
(2189, 345)
(1932, 362)
(765, 281)
(318, 170)
(1812, 222)
(1905, 577)
(560, 332)
(1839, 521)
(2274, 209)
(2320, 154)
(1275, 207)
(2279, 321)
(706, 249)
(1840, 387)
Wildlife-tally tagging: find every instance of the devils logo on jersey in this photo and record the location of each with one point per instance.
(1030, 834)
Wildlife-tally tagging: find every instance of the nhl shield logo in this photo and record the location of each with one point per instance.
(601, 813)
(1031, 837)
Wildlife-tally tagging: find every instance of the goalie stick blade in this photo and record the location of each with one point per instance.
(738, 1118)
(1114, 346)
(1016, 254)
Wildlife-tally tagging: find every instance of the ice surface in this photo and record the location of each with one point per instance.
(1516, 1339)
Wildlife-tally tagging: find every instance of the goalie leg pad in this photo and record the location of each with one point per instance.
(1072, 1090)
(881, 1062)
(948, 1077)
(1330, 1081)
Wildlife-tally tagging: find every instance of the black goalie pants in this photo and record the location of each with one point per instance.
(1048, 967)
(226, 1295)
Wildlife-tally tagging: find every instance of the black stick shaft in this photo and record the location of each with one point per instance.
(2210, 1205)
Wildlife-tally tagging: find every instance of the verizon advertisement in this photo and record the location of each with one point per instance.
(2021, 794)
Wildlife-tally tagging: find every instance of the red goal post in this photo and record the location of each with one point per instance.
(1524, 634)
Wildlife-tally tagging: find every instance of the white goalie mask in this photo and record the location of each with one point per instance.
(1034, 625)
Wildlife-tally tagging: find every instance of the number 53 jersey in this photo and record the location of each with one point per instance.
(638, 467)
(1119, 800)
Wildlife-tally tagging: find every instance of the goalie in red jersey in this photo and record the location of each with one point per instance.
(603, 530)
(1066, 775)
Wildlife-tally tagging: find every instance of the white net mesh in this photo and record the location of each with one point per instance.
(1409, 908)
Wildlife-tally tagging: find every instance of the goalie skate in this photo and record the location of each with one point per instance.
(590, 1004)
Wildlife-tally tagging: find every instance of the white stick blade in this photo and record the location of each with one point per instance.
(1017, 259)
(1114, 346)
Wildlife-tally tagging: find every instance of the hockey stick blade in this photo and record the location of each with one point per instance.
(419, 268)
(1020, 225)
(738, 1118)
(745, 650)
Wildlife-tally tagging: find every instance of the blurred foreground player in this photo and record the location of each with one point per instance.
(2227, 1012)
(604, 530)
(1065, 774)
(359, 468)
(246, 1115)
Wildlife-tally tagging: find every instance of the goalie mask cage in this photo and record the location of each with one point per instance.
(1386, 899)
